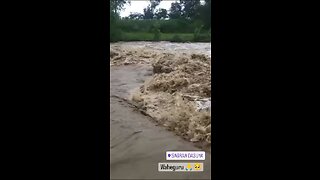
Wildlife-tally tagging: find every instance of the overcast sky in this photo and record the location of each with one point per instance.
(138, 5)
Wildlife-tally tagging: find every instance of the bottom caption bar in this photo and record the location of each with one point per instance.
(180, 167)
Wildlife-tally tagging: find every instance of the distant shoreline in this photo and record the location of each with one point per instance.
(168, 37)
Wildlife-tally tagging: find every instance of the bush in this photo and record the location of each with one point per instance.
(196, 34)
(203, 38)
(138, 36)
(176, 38)
(115, 34)
(165, 26)
(157, 35)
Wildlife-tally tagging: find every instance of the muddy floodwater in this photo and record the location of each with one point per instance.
(138, 142)
(202, 48)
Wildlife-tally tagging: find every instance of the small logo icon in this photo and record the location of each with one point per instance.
(197, 166)
(189, 167)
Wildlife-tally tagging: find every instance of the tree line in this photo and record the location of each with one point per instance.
(190, 14)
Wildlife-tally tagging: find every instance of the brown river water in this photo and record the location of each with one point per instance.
(137, 142)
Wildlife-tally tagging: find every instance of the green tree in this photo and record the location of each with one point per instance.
(175, 10)
(154, 3)
(156, 31)
(204, 14)
(148, 13)
(135, 16)
(161, 14)
(115, 7)
(149, 10)
(190, 8)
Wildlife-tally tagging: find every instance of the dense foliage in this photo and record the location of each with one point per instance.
(184, 16)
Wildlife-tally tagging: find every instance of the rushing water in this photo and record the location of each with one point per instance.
(202, 48)
(137, 144)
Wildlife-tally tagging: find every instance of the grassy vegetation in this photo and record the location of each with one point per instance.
(183, 28)
(165, 26)
(161, 30)
(174, 30)
(173, 37)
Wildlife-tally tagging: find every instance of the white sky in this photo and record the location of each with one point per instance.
(138, 5)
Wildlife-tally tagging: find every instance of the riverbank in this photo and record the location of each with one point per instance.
(172, 37)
